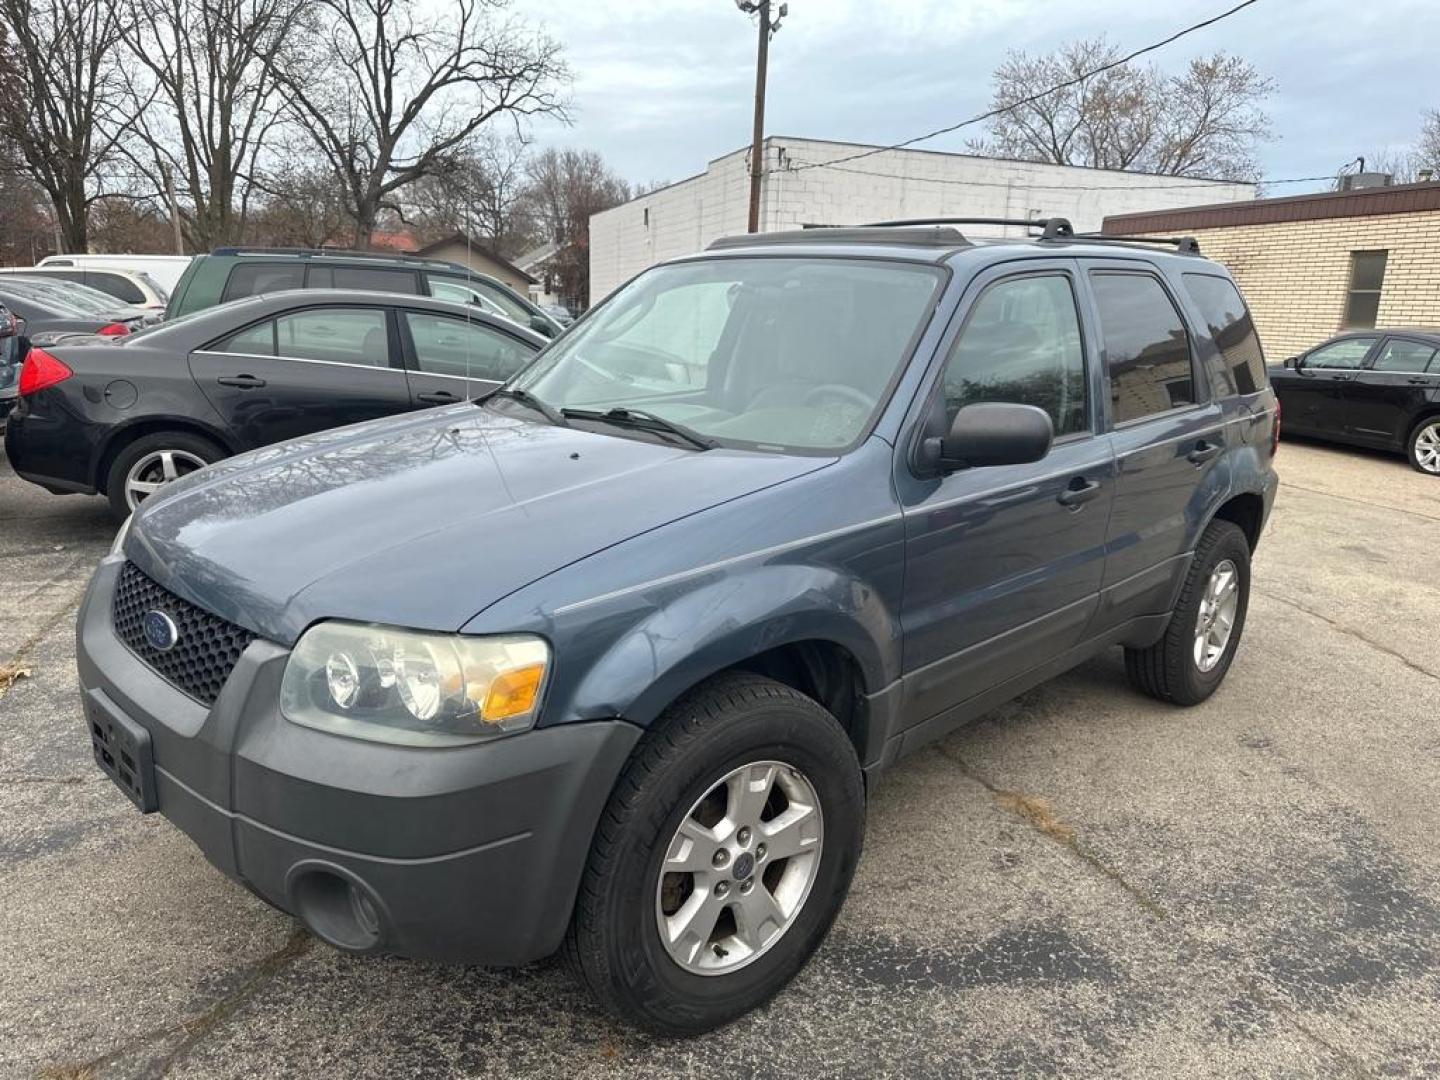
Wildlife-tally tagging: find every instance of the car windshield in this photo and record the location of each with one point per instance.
(765, 353)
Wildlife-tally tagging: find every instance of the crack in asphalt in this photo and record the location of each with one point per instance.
(1290, 484)
(28, 645)
(1349, 631)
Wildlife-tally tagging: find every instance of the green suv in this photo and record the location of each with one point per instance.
(230, 273)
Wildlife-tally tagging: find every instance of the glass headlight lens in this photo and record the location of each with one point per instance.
(411, 688)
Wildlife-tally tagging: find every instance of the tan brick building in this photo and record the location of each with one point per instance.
(1312, 265)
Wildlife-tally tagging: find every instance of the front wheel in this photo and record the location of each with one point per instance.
(1425, 446)
(722, 858)
(1189, 662)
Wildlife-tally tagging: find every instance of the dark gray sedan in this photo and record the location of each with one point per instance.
(123, 417)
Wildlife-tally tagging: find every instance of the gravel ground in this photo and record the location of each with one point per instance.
(1085, 883)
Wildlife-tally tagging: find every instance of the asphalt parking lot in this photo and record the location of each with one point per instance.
(1085, 883)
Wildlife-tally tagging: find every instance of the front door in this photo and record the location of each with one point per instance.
(1314, 392)
(301, 372)
(1003, 564)
(1390, 389)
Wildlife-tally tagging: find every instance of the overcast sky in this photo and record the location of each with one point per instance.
(662, 87)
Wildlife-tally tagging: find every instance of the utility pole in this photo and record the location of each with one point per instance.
(174, 209)
(768, 26)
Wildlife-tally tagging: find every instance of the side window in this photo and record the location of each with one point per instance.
(463, 294)
(1021, 344)
(1146, 347)
(252, 279)
(117, 286)
(1230, 328)
(1405, 356)
(257, 340)
(448, 346)
(1346, 354)
(339, 335)
(369, 278)
(475, 290)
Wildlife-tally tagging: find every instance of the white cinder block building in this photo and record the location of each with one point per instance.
(685, 216)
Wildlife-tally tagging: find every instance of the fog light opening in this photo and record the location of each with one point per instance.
(336, 909)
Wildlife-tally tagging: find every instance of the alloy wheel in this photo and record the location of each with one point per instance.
(1216, 620)
(1427, 447)
(739, 868)
(155, 470)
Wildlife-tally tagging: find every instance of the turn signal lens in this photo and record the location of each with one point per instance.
(512, 693)
(41, 371)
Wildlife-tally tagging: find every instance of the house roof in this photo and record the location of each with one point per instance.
(477, 246)
(535, 256)
(1364, 202)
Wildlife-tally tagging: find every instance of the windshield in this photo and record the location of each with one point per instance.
(768, 353)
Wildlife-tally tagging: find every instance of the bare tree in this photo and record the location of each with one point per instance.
(396, 94)
(299, 205)
(62, 100)
(484, 192)
(212, 64)
(1204, 121)
(1427, 147)
(566, 187)
(26, 235)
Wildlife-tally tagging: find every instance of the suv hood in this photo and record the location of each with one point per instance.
(423, 520)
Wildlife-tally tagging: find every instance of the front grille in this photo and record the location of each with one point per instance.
(207, 648)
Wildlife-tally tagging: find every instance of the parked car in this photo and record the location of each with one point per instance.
(165, 269)
(229, 273)
(82, 297)
(124, 419)
(129, 287)
(48, 315)
(12, 331)
(560, 313)
(606, 661)
(1375, 388)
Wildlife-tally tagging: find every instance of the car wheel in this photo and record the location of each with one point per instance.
(1425, 446)
(722, 857)
(151, 462)
(1189, 662)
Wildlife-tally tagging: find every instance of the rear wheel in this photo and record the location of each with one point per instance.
(1425, 446)
(152, 461)
(1190, 661)
(722, 859)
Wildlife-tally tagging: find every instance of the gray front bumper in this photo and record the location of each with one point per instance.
(469, 854)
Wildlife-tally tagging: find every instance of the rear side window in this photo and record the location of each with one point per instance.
(257, 340)
(490, 296)
(1231, 328)
(450, 346)
(1146, 347)
(369, 278)
(336, 335)
(117, 286)
(1021, 344)
(1410, 356)
(255, 278)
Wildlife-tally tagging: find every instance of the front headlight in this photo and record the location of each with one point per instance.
(412, 688)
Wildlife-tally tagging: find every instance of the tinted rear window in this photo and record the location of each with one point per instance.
(369, 278)
(1231, 328)
(117, 286)
(255, 278)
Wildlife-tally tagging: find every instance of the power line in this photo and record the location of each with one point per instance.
(1035, 97)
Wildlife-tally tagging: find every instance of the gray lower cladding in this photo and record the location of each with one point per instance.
(466, 854)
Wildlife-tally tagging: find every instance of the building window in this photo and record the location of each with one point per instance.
(1362, 302)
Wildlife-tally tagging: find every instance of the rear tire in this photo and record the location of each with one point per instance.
(151, 461)
(1187, 665)
(1424, 446)
(778, 748)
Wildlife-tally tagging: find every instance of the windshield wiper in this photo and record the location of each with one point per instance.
(544, 408)
(641, 420)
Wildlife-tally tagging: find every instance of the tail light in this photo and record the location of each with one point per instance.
(41, 371)
(114, 329)
(1275, 430)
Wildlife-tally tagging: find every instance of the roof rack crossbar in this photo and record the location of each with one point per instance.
(1052, 228)
(1185, 245)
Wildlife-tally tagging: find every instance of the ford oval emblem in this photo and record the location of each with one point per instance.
(161, 633)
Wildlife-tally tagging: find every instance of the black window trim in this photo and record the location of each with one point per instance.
(1201, 400)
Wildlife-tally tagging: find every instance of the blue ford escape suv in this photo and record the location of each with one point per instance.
(605, 661)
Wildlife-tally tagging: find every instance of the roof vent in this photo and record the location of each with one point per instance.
(1358, 180)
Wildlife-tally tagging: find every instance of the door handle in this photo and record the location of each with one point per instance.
(1419, 380)
(241, 382)
(1203, 452)
(1078, 493)
(438, 397)
(1341, 378)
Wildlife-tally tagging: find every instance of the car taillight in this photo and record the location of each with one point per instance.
(1275, 430)
(114, 329)
(42, 370)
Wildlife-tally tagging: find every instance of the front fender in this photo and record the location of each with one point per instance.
(728, 620)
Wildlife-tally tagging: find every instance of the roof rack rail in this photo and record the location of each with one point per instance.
(843, 234)
(1053, 228)
(1185, 245)
(344, 253)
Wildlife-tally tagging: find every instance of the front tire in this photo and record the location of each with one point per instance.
(1187, 665)
(722, 859)
(1424, 446)
(152, 461)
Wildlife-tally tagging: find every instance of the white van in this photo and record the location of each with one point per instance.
(166, 269)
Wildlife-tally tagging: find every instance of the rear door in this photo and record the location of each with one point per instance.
(1168, 434)
(1390, 389)
(450, 359)
(305, 370)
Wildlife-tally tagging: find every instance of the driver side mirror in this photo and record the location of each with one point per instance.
(1294, 362)
(992, 433)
